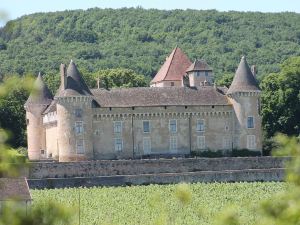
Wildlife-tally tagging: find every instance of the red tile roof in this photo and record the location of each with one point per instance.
(174, 67)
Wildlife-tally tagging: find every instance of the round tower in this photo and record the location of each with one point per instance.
(244, 94)
(38, 101)
(74, 117)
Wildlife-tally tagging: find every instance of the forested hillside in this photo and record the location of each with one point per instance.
(140, 39)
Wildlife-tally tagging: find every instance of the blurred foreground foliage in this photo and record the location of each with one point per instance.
(43, 214)
(12, 163)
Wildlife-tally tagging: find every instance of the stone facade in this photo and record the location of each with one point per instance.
(81, 124)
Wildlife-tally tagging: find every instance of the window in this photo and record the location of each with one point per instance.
(198, 74)
(173, 143)
(27, 122)
(78, 113)
(118, 144)
(172, 84)
(201, 142)
(117, 127)
(79, 127)
(146, 126)
(147, 145)
(42, 151)
(251, 142)
(97, 132)
(200, 125)
(173, 126)
(258, 106)
(206, 73)
(250, 122)
(226, 128)
(226, 143)
(79, 146)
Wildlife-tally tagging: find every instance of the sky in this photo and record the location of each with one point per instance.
(17, 8)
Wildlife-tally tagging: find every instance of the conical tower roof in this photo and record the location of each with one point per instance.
(41, 95)
(243, 80)
(174, 67)
(199, 65)
(75, 84)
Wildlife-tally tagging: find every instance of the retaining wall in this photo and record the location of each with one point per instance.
(162, 178)
(40, 170)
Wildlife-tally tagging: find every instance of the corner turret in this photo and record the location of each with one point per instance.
(74, 116)
(244, 94)
(39, 99)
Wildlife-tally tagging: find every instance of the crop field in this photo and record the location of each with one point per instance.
(162, 204)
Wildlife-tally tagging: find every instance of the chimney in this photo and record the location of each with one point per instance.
(98, 82)
(253, 70)
(63, 76)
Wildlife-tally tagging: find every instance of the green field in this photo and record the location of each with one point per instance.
(155, 204)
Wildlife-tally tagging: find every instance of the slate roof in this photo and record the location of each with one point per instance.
(158, 96)
(51, 107)
(75, 85)
(199, 65)
(174, 67)
(41, 95)
(14, 188)
(243, 80)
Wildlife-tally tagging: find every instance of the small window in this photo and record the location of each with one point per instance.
(250, 122)
(118, 144)
(146, 126)
(201, 142)
(198, 73)
(173, 126)
(117, 127)
(147, 145)
(226, 128)
(251, 142)
(226, 143)
(78, 113)
(258, 106)
(173, 143)
(80, 146)
(27, 122)
(42, 152)
(172, 84)
(97, 132)
(200, 126)
(79, 127)
(206, 73)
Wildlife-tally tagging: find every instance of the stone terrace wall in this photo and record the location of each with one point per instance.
(42, 170)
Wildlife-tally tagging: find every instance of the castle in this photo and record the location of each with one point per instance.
(181, 112)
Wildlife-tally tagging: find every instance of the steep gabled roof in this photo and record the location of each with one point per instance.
(75, 84)
(199, 65)
(243, 80)
(174, 67)
(41, 95)
(156, 96)
(14, 189)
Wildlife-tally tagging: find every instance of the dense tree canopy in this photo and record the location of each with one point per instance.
(101, 41)
(140, 39)
(281, 99)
